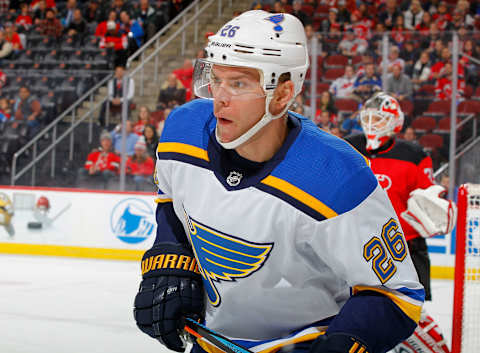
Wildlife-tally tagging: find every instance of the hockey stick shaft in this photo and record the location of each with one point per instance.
(200, 331)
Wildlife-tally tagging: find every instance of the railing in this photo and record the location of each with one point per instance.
(52, 129)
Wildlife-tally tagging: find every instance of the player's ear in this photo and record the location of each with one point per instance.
(283, 94)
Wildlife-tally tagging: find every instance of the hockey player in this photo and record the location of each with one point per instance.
(6, 214)
(404, 170)
(275, 232)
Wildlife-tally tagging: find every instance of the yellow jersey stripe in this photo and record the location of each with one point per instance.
(183, 148)
(159, 200)
(411, 310)
(299, 195)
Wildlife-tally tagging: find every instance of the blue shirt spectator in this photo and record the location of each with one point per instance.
(131, 139)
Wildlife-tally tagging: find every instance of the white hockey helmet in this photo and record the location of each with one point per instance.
(273, 44)
(381, 118)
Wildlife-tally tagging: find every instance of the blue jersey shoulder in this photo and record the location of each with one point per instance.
(190, 124)
(327, 168)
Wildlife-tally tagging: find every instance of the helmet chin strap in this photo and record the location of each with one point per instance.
(266, 118)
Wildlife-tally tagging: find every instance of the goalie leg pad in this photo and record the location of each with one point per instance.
(427, 338)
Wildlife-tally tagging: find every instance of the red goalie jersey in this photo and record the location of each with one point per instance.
(400, 167)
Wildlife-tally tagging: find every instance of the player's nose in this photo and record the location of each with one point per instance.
(222, 97)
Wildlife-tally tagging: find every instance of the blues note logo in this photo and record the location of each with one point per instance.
(276, 19)
(132, 221)
(223, 257)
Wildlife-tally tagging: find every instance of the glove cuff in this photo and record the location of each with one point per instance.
(169, 259)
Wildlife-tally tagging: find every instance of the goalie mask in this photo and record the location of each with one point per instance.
(273, 44)
(381, 118)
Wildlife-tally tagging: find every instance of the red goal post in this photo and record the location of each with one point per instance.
(466, 301)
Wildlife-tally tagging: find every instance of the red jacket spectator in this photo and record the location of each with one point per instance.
(443, 86)
(136, 166)
(119, 41)
(185, 75)
(14, 38)
(103, 160)
(24, 21)
(101, 29)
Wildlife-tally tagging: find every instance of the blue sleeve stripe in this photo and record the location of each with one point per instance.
(417, 294)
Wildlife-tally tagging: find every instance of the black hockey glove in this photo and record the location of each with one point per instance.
(171, 289)
(338, 343)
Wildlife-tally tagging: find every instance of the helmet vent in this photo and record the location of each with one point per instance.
(272, 52)
(245, 49)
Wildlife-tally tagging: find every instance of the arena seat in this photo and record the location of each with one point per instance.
(424, 124)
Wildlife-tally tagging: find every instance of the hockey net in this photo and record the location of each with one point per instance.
(466, 305)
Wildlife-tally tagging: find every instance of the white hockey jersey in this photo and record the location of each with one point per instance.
(281, 252)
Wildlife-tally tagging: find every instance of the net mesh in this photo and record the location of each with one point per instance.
(23, 201)
(471, 294)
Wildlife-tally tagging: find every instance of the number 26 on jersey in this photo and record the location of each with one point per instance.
(386, 249)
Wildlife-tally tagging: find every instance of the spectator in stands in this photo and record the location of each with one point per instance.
(28, 109)
(399, 33)
(424, 26)
(5, 47)
(414, 15)
(278, 7)
(151, 140)
(171, 94)
(442, 17)
(398, 84)
(144, 118)
(140, 166)
(352, 45)
(436, 51)
(323, 121)
(443, 85)
(39, 12)
(343, 15)
(5, 110)
(389, 15)
(359, 27)
(351, 126)
(50, 26)
(101, 29)
(421, 70)
(77, 29)
(409, 54)
(331, 21)
(132, 138)
(118, 6)
(438, 67)
(102, 164)
(133, 30)
(366, 84)
(13, 37)
(24, 21)
(307, 110)
(185, 75)
(297, 12)
(66, 16)
(115, 93)
(147, 17)
(115, 43)
(394, 58)
(342, 87)
(92, 12)
(326, 104)
(409, 135)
